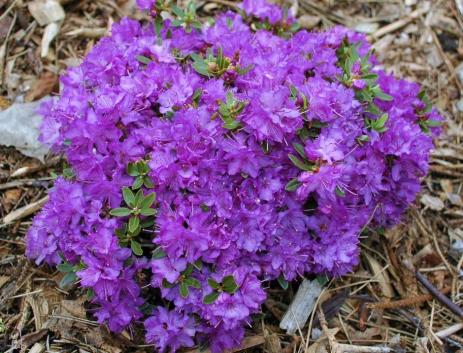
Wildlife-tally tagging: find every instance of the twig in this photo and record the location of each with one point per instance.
(414, 300)
(438, 294)
(231, 4)
(394, 26)
(450, 330)
(28, 182)
(24, 211)
(8, 10)
(346, 348)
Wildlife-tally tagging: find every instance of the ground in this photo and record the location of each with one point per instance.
(391, 301)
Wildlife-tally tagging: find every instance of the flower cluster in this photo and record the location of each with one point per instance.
(210, 159)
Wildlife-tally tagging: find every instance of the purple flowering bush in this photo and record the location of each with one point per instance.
(209, 159)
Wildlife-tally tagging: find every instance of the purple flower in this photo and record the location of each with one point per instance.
(265, 157)
(170, 330)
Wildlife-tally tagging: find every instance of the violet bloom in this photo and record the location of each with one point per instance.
(169, 330)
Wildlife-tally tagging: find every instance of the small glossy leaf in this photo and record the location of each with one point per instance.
(244, 70)
(69, 279)
(134, 222)
(138, 197)
(148, 212)
(148, 200)
(193, 282)
(322, 280)
(211, 298)
(340, 192)
(158, 254)
(383, 96)
(213, 283)
(433, 123)
(166, 284)
(292, 185)
(184, 291)
(129, 197)
(143, 59)
(300, 149)
(188, 271)
(136, 248)
(229, 285)
(120, 212)
(282, 282)
(137, 183)
(132, 169)
(298, 163)
(147, 182)
(65, 267)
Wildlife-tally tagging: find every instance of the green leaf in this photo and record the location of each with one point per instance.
(147, 223)
(231, 125)
(211, 298)
(383, 96)
(184, 291)
(197, 95)
(370, 76)
(244, 70)
(139, 197)
(433, 123)
(373, 109)
(299, 149)
(148, 200)
(282, 282)
(68, 173)
(166, 284)
(148, 211)
(198, 264)
(69, 279)
(134, 222)
(292, 185)
(158, 254)
(192, 282)
(132, 169)
(229, 285)
(189, 270)
(178, 11)
(136, 247)
(379, 123)
(143, 59)
(201, 68)
(65, 267)
(129, 197)
(120, 212)
(148, 182)
(340, 192)
(213, 283)
(137, 183)
(322, 280)
(298, 163)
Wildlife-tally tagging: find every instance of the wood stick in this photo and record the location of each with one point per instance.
(438, 295)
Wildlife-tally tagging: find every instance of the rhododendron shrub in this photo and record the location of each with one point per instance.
(208, 159)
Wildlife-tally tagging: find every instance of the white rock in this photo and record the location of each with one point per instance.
(19, 127)
(46, 11)
(301, 307)
(366, 27)
(50, 32)
(434, 203)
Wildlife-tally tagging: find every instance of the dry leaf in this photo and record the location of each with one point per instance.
(432, 202)
(46, 84)
(382, 277)
(10, 198)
